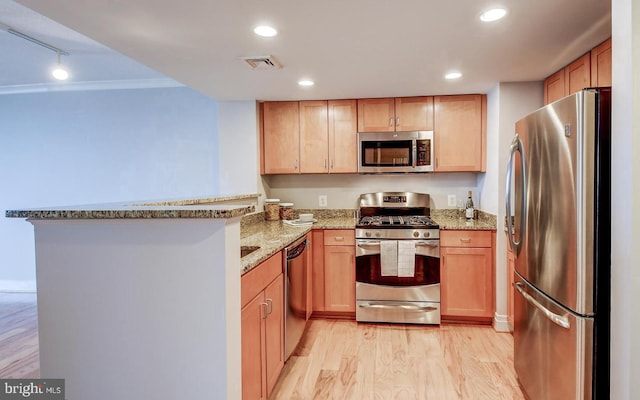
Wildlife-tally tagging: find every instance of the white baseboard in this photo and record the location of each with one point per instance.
(501, 323)
(17, 286)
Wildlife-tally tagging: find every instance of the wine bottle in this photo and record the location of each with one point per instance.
(469, 212)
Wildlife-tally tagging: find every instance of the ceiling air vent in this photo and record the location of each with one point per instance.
(262, 62)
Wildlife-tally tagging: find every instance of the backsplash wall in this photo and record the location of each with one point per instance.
(343, 191)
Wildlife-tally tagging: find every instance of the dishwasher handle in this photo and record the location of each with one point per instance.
(296, 250)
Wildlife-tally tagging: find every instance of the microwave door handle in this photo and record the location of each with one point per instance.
(414, 153)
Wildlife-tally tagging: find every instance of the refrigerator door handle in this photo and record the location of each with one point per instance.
(559, 320)
(516, 146)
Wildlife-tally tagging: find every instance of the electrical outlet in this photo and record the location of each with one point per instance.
(322, 200)
(452, 201)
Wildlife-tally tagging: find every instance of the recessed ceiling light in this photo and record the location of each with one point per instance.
(493, 15)
(453, 75)
(306, 82)
(265, 31)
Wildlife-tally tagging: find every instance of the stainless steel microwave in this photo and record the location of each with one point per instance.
(385, 152)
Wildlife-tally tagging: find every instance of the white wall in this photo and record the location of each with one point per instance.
(66, 148)
(343, 191)
(238, 147)
(625, 196)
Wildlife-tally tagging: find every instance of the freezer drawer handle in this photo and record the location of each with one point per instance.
(404, 306)
(555, 318)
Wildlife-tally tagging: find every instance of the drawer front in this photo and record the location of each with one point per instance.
(339, 237)
(465, 238)
(254, 281)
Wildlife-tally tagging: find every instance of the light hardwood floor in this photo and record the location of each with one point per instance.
(339, 359)
(19, 336)
(347, 360)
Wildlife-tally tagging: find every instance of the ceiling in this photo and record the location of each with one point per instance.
(350, 48)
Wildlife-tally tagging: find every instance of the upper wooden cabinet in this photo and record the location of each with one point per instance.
(395, 114)
(343, 136)
(309, 137)
(280, 137)
(593, 69)
(460, 133)
(577, 75)
(601, 64)
(314, 137)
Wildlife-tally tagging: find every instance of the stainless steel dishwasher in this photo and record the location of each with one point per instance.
(295, 294)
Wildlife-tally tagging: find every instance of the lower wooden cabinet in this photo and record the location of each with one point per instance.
(467, 275)
(262, 294)
(334, 272)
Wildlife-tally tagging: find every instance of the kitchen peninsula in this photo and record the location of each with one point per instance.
(132, 297)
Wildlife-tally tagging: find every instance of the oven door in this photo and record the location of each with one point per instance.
(398, 299)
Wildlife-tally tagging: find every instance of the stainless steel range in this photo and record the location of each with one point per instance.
(397, 259)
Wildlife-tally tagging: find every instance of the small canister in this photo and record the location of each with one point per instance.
(287, 212)
(272, 209)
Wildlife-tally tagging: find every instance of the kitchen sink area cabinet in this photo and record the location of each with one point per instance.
(395, 114)
(460, 133)
(334, 269)
(262, 294)
(467, 275)
(280, 137)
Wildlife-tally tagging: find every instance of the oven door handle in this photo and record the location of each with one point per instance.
(404, 306)
(368, 243)
(427, 244)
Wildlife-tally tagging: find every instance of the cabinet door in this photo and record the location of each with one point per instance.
(340, 278)
(343, 136)
(314, 137)
(274, 332)
(414, 114)
(459, 133)
(253, 382)
(577, 75)
(317, 270)
(467, 287)
(376, 115)
(601, 64)
(554, 87)
(281, 137)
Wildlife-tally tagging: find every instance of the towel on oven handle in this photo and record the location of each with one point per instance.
(406, 258)
(389, 257)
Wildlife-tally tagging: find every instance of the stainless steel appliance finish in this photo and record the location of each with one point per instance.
(402, 217)
(558, 184)
(295, 294)
(388, 152)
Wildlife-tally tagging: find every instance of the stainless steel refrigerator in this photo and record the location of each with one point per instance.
(558, 198)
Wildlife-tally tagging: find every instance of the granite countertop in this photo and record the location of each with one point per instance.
(450, 219)
(207, 207)
(273, 236)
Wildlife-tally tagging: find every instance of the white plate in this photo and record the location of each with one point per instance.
(298, 222)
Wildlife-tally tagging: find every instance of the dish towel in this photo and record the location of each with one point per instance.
(406, 258)
(389, 257)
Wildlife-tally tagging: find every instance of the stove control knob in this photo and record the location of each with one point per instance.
(427, 234)
(416, 234)
(367, 234)
(377, 234)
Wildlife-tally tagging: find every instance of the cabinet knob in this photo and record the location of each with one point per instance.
(339, 238)
(264, 310)
(465, 240)
(398, 121)
(390, 121)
